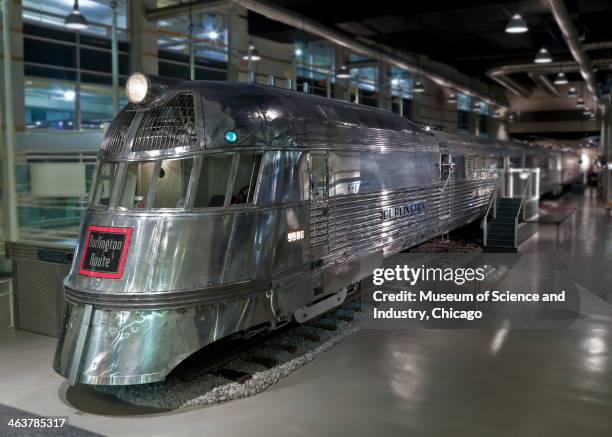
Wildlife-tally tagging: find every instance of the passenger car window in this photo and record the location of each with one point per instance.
(172, 183)
(104, 184)
(246, 179)
(136, 185)
(212, 184)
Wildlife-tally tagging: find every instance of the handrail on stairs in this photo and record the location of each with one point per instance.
(519, 211)
(485, 220)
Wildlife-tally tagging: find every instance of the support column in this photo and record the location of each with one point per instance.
(238, 40)
(115, 58)
(384, 87)
(12, 114)
(17, 82)
(77, 86)
(474, 122)
(605, 151)
(143, 37)
(341, 88)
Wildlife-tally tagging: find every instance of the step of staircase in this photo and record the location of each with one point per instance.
(500, 249)
(501, 235)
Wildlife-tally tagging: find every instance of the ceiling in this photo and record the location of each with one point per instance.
(469, 36)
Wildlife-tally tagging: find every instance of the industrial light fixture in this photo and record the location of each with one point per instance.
(75, 20)
(580, 103)
(395, 81)
(137, 87)
(543, 57)
(418, 87)
(517, 24)
(213, 34)
(298, 52)
(561, 79)
(452, 98)
(252, 53)
(572, 92)
(343, 73)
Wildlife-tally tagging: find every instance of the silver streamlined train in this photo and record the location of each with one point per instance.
(222, 208)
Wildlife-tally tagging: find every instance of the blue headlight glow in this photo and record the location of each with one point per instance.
(230, 136)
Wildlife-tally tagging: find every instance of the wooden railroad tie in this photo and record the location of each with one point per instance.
(343, 317)
(310, 337)
(234, 375)
(267, 362)
(324, 325)
(284, 347)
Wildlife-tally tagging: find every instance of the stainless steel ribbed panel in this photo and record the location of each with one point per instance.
(116, 140)
(39, 272)
(167, 125)
(39, 296)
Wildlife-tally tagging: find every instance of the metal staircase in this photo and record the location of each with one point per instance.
(501, 233)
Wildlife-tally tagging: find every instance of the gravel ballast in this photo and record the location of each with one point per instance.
(211, 389)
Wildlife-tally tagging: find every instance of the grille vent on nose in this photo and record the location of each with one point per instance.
(168, 125)
(115, 138)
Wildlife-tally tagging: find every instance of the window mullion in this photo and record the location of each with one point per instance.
(153, 185)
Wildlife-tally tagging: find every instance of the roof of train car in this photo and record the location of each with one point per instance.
(265, 116)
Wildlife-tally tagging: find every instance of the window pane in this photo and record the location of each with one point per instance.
(319, 176)
(212, 185)
(104, 185)
(136, 185)
(246, 179)
(96, 106)
(172, 183)
(49, 104)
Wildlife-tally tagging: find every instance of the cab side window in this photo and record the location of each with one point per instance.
(319, 176)
(136, 185)
(213, 181)
(172, 183)
(104, 184)
(245, 182)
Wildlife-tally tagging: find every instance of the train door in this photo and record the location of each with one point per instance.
(319, 192)
(447, 187)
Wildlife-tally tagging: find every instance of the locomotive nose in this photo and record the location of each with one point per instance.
(145, 292)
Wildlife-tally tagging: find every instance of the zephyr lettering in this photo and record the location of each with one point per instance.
(400, 211)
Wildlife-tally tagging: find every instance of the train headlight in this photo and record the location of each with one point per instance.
(137, 87)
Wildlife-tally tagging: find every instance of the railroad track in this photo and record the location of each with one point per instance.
(214, 359)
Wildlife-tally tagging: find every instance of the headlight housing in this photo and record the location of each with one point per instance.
(137, 88)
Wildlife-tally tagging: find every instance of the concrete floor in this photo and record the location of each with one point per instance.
(382, 382)
(589, 232)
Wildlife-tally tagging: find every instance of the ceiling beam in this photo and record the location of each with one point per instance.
(544, 82)
(553, 67)
(511, 85)
(564, 21)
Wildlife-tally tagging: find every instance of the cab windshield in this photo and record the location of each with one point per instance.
(206, 181)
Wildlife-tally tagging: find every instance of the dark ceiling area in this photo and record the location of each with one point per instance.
(469, 36)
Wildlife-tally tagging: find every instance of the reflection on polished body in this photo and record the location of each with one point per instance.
(225, 208)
